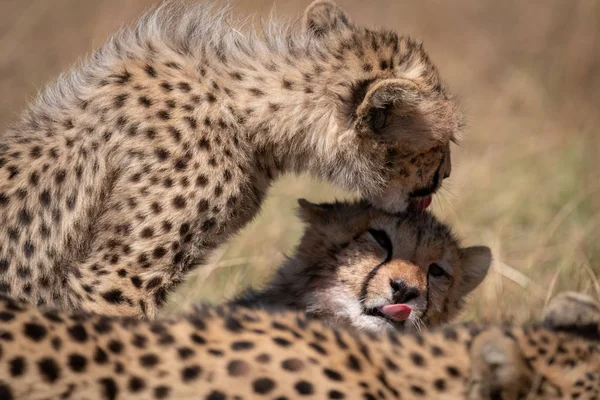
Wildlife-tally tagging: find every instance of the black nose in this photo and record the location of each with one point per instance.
(402, 292)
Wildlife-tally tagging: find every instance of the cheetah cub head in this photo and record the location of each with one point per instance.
(396, 112)
(374, 271)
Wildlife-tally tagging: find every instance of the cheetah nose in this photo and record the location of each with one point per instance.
(402, 293)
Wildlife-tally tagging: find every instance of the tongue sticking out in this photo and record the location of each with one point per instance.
(398, 312)
(421, 203)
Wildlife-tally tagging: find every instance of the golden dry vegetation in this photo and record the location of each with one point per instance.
(525, 179)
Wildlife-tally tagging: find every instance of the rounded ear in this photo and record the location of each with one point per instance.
(311, 212)
(574, 313)
(324, 16)
(476, 262)
(399, 95)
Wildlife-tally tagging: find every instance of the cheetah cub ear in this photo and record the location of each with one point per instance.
(324, 16)
(390, 110)
(574, 313)
(475, 263)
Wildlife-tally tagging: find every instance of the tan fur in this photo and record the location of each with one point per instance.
(225, 353)
(128, 171)
(341, 274)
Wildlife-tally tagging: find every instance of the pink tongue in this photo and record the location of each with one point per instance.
(398, 312)
(423, 203)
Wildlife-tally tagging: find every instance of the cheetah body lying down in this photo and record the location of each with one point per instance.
(128, 171)
(238, 353)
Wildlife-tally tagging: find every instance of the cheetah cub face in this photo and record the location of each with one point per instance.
(397, 109)
(359, 266)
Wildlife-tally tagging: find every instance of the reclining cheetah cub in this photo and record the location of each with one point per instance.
(373, 271)
(129, 170)
(238, 353)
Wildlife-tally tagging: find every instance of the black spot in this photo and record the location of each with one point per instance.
(208, 224)
(5, 392)
(149, 69)
(35, 332)
(161, 392)
(233, 324)
(417, 390)
(60, 176)
(120, 100)
(304, 388)
(450, 333)
(179, 202)
(139, 341)
(49, 369)
(136, 384)
(417, 359)
(439, 384)
(45, 198)
(263, 385)
(353, 363)
(17, 367)
(335, 394)
(24, 217)
(145, 101)
(216, 395)
(28, 249)
(333, 375)
(318, 348)
(190, 373)
(115, 346)
(242, 345)
(78, 333)
(6, 316)
(184, 86)
(453, 371)
(77, 362)
(164, 115)
(282, 342)
(100, 356)
(149, 360)
(109, 387)
(3, 200)
(292, 364)
(114, 296)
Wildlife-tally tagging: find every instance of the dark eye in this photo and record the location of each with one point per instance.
(378, 119)
(436, 271)
(382, 239)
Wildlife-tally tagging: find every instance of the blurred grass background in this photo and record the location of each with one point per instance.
(525, 182)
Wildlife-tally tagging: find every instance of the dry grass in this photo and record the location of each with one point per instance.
(525, 181)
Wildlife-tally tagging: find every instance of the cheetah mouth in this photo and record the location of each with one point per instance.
(396, 314)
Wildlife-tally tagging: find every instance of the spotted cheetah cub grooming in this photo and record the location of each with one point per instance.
(238, 353)
(361, 267)
(129, 170)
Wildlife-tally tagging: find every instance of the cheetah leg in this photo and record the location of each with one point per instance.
(498, 369)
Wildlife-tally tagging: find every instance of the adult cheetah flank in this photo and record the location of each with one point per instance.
(237, 353)
(361, 267)
(129, 170)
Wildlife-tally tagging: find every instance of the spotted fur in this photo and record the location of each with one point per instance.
(128, 171)
(238, 353)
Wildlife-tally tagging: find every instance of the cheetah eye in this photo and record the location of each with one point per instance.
(378, 119)
(436, 271)
(382, 239)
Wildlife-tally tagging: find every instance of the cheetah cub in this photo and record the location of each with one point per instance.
(238, 353)
(129, 170)
(364, 268)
